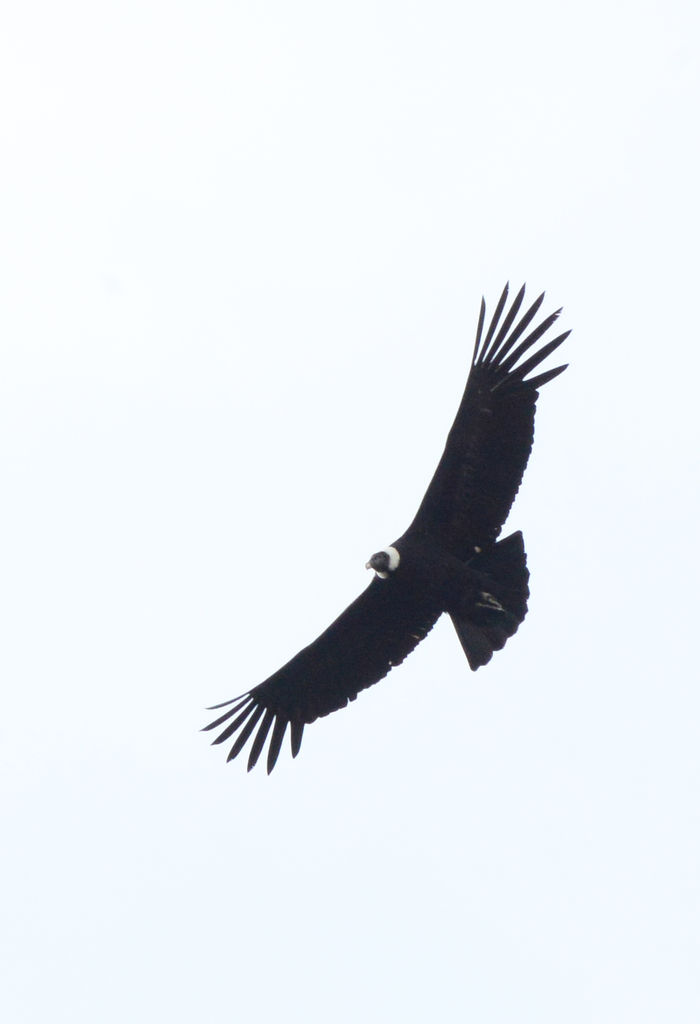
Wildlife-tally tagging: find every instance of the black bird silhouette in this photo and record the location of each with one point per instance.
(448, 560)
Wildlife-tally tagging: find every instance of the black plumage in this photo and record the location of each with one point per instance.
(449, 559)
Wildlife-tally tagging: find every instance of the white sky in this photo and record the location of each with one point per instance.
(243, 247)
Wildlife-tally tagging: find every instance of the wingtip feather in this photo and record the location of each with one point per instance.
(260, 737)
(479, 329)
(245, 732)
(494, 319)
(225, 703)
(296, 735)
(276, 742)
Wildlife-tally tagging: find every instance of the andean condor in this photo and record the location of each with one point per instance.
(448, 560)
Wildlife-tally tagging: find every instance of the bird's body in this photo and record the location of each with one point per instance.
(449, 560)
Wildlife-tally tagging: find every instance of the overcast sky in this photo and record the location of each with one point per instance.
(243, 250)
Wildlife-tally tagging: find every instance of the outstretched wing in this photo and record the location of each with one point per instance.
(487, 449)
(375, 633)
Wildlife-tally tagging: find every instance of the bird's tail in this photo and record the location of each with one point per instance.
(495, 602)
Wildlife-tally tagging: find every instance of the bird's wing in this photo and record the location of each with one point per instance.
(487, 449)
(375, 633)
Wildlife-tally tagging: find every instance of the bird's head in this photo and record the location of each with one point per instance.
(384, 562)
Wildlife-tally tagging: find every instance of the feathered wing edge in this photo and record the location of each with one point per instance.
(487, 449)
(497, 352)
(250, 714)
(375, 633)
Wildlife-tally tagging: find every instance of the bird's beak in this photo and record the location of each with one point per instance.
(368, 565)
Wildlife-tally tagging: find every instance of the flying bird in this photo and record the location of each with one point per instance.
(448, 560)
